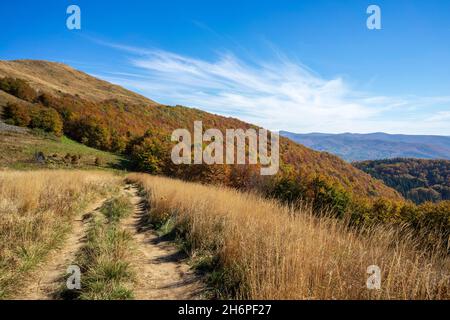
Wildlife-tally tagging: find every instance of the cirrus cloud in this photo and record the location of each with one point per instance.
(279, 95)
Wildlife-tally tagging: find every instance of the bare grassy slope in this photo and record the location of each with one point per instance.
(57, 77)
(5, 98)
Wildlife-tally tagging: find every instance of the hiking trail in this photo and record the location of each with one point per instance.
(161, 269)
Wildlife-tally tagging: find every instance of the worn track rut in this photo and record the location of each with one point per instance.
(46, 280)
(161, 268)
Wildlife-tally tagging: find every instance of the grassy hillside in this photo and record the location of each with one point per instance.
(416, 179)
(19, 150)
(57, 78)
(108, 117)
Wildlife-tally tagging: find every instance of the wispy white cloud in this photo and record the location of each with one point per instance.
(439, 116)
(279, 94)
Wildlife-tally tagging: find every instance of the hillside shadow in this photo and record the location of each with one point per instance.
(123, 164)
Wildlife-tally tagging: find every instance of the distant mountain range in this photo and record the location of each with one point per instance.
(373, 146)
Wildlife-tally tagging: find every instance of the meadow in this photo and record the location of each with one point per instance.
(37, 209)
(255, 248)
(243, 245)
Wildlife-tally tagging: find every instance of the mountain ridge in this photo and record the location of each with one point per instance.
(374, 146)
(42, 75)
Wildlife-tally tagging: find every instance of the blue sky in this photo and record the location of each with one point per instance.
(302, 66)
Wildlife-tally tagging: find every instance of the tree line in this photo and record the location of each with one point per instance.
(418, 180)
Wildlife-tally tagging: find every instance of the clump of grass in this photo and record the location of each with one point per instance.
(167, 227)
(104, 260)
(117, 208)
(37, 209)
(260, 249)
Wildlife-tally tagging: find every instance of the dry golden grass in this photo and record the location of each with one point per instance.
(36, 211)
(59, 78)
(270, 251)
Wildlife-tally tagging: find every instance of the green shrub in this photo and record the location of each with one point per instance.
(118, 142)
(47, 119)
(151, 153)
(329, 196)
(89, 131)
(288, 189)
